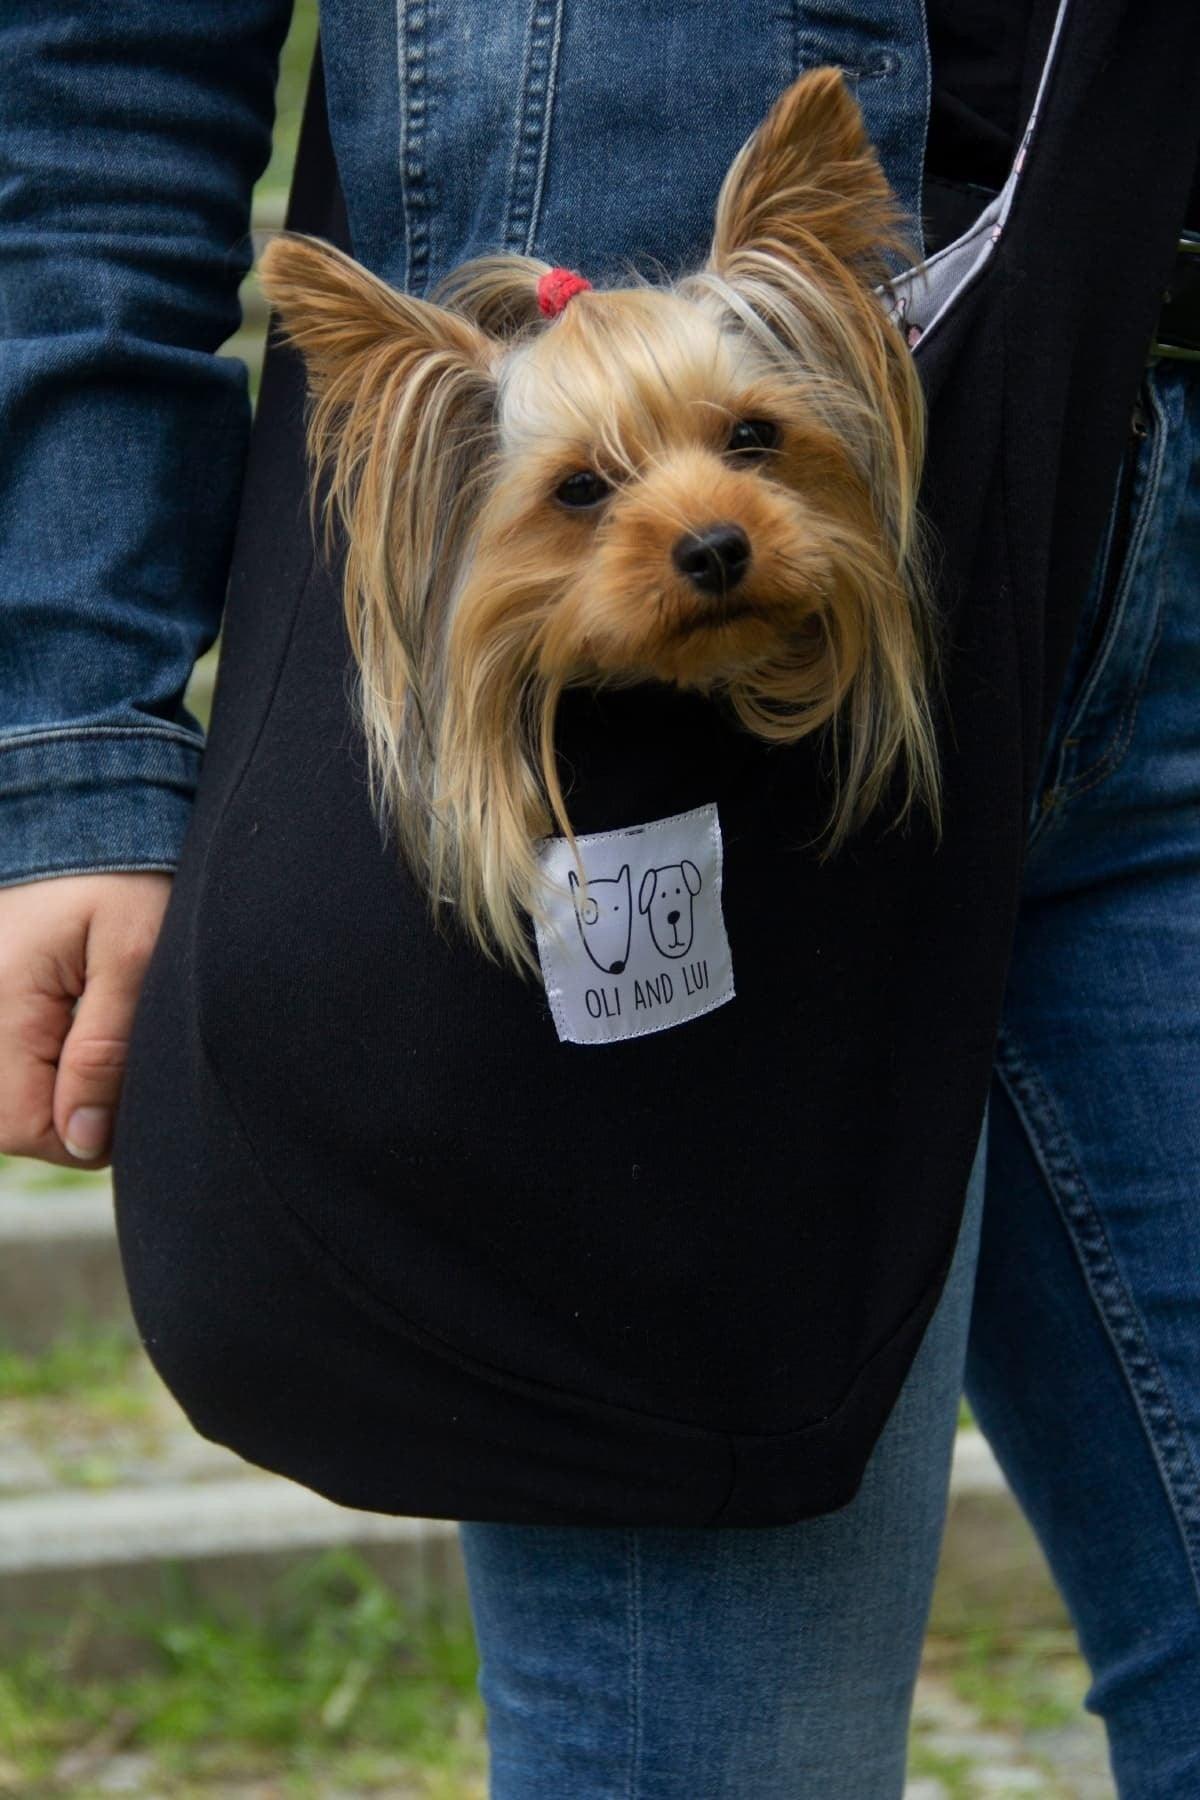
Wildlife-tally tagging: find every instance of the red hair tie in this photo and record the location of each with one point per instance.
(556, 287)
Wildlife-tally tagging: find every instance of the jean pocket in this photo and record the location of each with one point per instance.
(1118, 627)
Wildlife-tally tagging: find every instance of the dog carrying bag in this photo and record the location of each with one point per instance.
(393, 1222)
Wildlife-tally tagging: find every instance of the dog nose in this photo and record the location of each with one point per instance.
(673, 918)
(714, 560)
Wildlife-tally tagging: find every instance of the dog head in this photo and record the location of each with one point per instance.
(604, 914)
(711, 484)
(666, 897)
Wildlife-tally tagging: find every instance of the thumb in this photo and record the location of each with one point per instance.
(92, 1064)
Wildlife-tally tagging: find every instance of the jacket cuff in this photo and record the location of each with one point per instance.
(77, 800)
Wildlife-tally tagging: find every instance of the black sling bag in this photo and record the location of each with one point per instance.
(382, 1230)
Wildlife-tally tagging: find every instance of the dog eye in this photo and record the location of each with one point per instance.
(753, 437)
(584, 488)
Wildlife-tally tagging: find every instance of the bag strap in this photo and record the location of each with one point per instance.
(315, 203)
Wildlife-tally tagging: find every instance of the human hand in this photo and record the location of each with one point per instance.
(73, 953)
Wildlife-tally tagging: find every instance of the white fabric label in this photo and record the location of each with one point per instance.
(643, 947)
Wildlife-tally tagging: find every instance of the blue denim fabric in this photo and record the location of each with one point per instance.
(780, 1663)
(709, 1664)
(131, 139)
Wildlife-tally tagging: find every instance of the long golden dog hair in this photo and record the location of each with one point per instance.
(511, 491)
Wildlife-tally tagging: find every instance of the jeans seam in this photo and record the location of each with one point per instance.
(1046, 804)
(123, 866)
(633, 1621)
(531, 147)
(1114, 1305)
(1106, 765)
(1085, 780)
(56, 734)
(412, 49)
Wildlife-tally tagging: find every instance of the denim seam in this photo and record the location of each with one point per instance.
(412, 46)
(1110, 758)
(633, 1625)
(1111, 1297)
(53, 734)
(927, 53)
(44, 872)
(1045, 805)
(1118, 749)
(531, 147)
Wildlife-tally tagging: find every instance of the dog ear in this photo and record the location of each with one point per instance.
(403, 410)
(646, 891)
(623, 875)
(807, 177)
(691, 876)
(341, 317)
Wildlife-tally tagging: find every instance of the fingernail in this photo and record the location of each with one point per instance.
(87, 1131)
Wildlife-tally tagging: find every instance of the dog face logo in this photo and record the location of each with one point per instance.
(605, 918)
(666, 895)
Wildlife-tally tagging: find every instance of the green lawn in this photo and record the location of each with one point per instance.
(335, 1685)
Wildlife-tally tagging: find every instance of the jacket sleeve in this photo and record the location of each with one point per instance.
(132, 136)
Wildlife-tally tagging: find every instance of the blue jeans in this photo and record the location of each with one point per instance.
(709, 1664)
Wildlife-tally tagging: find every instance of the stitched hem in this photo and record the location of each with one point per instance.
(71, 734)
(99, 799)
(107, 868)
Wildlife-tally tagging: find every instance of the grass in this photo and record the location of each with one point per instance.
(1033, 1681)
(1024, 1687)
(954, 1772)
(91, 1364)
(85, 1406)
(335, 1673)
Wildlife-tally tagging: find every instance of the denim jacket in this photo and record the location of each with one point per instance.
(132, 136)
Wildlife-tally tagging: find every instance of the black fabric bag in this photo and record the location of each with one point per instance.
(382, 1230)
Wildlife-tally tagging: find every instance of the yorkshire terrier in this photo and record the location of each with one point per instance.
(711, 483)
